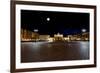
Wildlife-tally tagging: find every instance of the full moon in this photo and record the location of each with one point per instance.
(48, 19)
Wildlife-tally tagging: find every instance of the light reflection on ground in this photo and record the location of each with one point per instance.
(54, 51)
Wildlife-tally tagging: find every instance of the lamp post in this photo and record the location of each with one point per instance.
(36, 34)
(83, 30)
(36, 30)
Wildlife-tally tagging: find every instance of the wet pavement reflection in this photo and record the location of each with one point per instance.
(54, 51)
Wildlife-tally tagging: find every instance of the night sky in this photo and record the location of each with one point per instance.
(50, 22)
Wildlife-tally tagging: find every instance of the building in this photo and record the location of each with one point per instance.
(51, 39)
(35, 36)
(76, 37)
(44, 37)
(79, 37)
(58, 37)
(26, 35)
(85, 36)
(67, 38)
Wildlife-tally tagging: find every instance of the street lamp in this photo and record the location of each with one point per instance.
(36, 34)
(36, 30)
(83, 30)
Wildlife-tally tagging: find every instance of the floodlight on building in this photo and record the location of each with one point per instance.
(66, 38)
(36, 30)
(58, 35)
(83, 30)
(50, 39)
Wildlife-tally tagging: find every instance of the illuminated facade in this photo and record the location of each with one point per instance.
(58, 37)
(79, 37)
(35, 36)
(44, 37)
(85, 36)
(27, 35)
